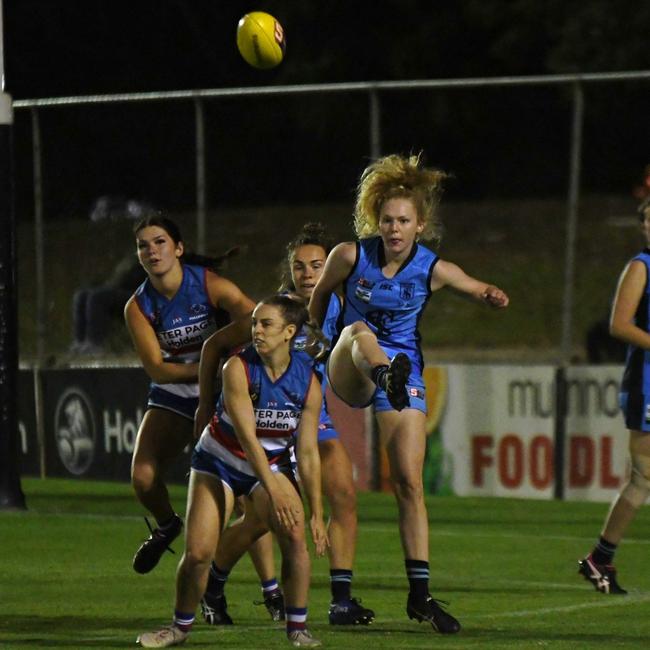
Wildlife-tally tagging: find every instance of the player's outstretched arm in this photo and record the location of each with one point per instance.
(448, 274)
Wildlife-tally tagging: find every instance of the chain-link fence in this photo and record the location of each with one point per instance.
(540, 204)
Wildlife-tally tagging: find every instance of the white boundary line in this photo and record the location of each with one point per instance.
(607, 601)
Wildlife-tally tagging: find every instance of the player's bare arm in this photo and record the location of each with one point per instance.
(226, 295)
(337, 267)
(628, 295)
(309, 467)
(148, 349)
(448, 274)
(215, 348)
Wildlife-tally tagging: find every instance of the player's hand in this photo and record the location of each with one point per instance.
(494, 297)
(317, 344)
(287, 511)
(319, 535)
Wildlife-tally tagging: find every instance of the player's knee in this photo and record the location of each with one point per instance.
(408, 488)
(143, 476)
(356, 330)
(197, 555)
(293, 540)
(638, 487)
(342, 497)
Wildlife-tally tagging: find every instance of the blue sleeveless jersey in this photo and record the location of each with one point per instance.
(391, 307)
(636, 377)
(181, 324)
(278, 406)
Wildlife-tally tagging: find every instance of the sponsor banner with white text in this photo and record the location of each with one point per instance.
(91, 419)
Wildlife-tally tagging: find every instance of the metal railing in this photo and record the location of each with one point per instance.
(373, 89)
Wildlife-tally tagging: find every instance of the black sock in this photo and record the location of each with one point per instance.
(417, 572)
(216, 580)
(378, 375)
(340, 584)
(168, 523)
(603, 552)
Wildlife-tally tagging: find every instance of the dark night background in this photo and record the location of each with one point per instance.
(498, 141)
(273, 162)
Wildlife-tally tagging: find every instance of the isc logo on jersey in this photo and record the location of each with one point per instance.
(276, 419)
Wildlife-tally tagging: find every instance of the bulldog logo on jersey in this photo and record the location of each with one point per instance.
(406, 290)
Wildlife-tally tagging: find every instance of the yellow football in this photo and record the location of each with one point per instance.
(260, 40)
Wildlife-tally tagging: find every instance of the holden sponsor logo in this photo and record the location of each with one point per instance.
(75, 430)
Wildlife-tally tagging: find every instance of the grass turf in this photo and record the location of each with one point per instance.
(507, 567)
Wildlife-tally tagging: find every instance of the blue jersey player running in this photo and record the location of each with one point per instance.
(630, 322)
(270, 402)
(169, 317)
(387, 278)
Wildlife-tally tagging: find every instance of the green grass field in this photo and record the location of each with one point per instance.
(508, 568)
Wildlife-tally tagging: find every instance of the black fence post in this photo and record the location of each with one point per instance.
(561, 407)
(11, 494)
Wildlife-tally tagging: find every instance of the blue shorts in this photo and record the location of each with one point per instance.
(636, 411)
(326, 430)
(239, 482)
(184, 406)
(414, 387)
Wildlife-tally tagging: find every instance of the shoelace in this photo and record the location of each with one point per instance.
(207, 610)
(156, 532)
(270, 599)
(443, 604)
(168, 630)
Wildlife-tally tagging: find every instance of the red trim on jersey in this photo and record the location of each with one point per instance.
(232, 444)
(225, 440)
